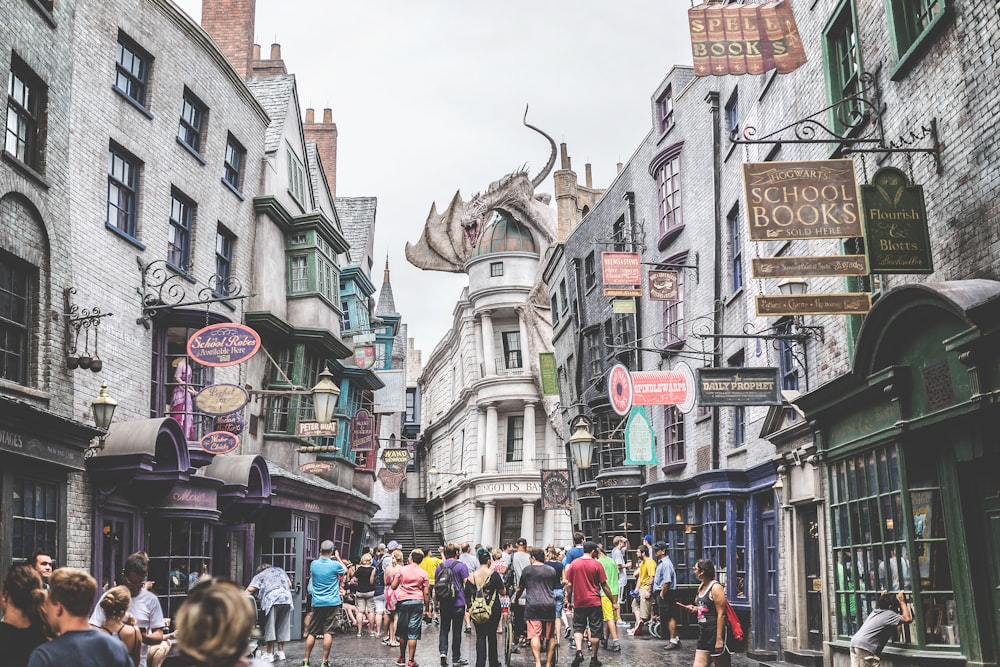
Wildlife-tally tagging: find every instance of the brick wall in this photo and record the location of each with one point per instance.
(325, 135)
(231, 25)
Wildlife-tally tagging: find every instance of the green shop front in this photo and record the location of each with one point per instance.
(909, 445)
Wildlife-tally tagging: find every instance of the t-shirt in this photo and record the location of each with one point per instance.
(519, 561)
(573, 554)
(429, 564)
(585, 576)
(81, 648)
(148, 614)
(364, 576)
(876, 630)
(272, 584)
(611, 570)
(647, 570)
(558, 567)
(461, 573)
(412, 579)
(324, 583)
(539, 582)
(18, 643)
(470, 562)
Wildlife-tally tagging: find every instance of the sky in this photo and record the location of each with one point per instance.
(428, 98)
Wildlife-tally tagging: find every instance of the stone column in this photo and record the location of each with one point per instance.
(528, 448)
(480, 465)
(480, 360)
(548, 527)
(477, 520)
(525, 347)
(528, 521)
(489, 349)
(492, 438)
(489, 523)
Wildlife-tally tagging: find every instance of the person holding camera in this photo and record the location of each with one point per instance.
(324, 585)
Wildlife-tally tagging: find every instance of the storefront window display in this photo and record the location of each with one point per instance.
(34, 517)
(180, 551)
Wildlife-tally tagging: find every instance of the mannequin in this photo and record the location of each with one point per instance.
(180, 402)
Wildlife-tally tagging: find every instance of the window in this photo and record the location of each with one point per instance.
(589, 272)
(625, 339)
(733, 115)
(235, 157)
(735, 249)
(555, 308)
(843, 67)
(296, 175)
(224, 240)
(515, 439)
(345, 317)
(609, 452)
(668, 188)
(512, 349)
(123, 194)
(193, 113)
(786, 358)
(619, 234)
(329, 279)
(26, 103)
(181, 226)
(673, 434)
(665, 110)
(34, 517)
(673, 311)
(131, 70)
(174, 379)
(739, 412)
(17, 285)
(592, 340)
(410, 416)
(910, 21)
(562, 295)
(496, 269)
(178, 547)
(298, 273)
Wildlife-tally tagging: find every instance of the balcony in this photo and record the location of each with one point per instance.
(509, 365)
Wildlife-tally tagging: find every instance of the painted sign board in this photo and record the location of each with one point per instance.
(219, 442)
(392, 397)
(780, 305)
(896, 224)
(233, 422)
(738, 386)
(555, 489)
(640, 443)
(620, 389)
(221, 399)
(363, 432)
(315, 467)
(623, 291)
(224, 344)
(807, 199)
(751, 38)
(624, 306)
(621, 268)
(364, 356)
(673, 387)
(391, 481)
(795, 267)
(663, 285)
(547, 370)
(313, 429)
(395, 459)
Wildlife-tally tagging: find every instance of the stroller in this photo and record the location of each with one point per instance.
(256, 646)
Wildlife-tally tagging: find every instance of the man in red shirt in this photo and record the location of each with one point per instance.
(585, 579)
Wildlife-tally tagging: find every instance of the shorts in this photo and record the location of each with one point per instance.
(409, 619)
(558, 593)
(607, 608)
(365, 602)
(379, 601)
(589, 617)
(645, 608)
(279, 623)
(541, 629)
(863, 658)
(666, 606)
(706, 638)
(324, 619)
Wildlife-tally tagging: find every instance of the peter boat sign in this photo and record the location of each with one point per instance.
(224, 344)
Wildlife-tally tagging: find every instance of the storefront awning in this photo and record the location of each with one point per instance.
(146, 450)
(245, 479)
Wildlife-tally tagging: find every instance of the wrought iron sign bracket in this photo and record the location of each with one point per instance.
(861, 119)
(668, 266)
(801, 333)
(81, 319)
(165, 287)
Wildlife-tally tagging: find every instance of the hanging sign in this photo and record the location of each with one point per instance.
(391, 481)
(896, 224)
(624, 306)
(233, 422)
(640, 443)
(807, 199)
(555, 490)
(313, 429)
(224, 344)
(315, 467)
(801, 267)
(620, 389)
(364, 356)
(621, 268)
(781, 305)
(744, 39)
(395, 460)
(221, 399)
(363, 431)
(738, 386)
(673, 387)
(219, 442)
(547, 370)
(663, 285)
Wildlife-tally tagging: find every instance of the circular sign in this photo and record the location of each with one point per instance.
(688, 403)
(224, 344)
(219, 442)
(233, 423)
(221, 399)
(620, 389)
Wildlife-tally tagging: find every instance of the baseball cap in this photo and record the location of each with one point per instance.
(589, 546)
(660, 546)
(648, 538)
(326, 547)
(393, 545)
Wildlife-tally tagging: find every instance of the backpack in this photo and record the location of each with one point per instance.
(445, 588)
(510, 580)
(481, 609)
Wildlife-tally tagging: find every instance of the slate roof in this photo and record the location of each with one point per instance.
(274, 94)
(386, 302)
(357, 220)
(277, 471)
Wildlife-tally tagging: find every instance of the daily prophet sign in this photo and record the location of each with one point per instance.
(801, 200)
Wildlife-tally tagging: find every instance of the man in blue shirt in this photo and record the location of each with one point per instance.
(576, 551)
(664, 585)
(324, 585)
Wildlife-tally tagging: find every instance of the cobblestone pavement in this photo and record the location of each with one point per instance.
(350, 650)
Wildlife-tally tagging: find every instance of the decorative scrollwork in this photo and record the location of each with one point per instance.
(165, 286)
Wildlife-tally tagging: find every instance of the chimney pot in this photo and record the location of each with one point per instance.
(256, 52)
(619, 167)
(310, 115)
(276, 52)
(328, 116)
(590, 181)
(563, 156)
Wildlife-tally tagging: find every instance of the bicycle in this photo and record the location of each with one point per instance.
(508, 642)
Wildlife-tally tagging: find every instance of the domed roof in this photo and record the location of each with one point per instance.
(505, 234)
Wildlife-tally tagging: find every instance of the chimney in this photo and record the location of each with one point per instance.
(619, 168)
(588, 177)
(564, 156)
(230, 23)
(255, 53)
(276, 52)
(274, 65)
(325, 136)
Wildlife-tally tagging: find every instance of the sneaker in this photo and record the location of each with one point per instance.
(604, 643)
(437, 621)
(616, 647)
(444, 660)
(468, 631)
(279, 655)
(324, 664)
(400, 660)
(460, 662)
(594, 662)
(676, 642)
(623, 624)
(671, 646)
(305, 663)
(578, 660)
(411, 663)
(267, 657)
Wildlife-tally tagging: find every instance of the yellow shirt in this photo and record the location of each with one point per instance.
(430, 564)
(646, 572)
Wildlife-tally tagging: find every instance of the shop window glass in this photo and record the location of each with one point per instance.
(178, 548)
(620, 515)
(34, 517)
(610, 434)
(714, 536)
(175, 379)
(17, 291)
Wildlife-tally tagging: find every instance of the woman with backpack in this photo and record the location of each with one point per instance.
(483, 589)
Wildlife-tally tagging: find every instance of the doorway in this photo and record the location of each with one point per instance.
(510, 525)
(284, 550)
(980, 489)
(808, 532)
(766, 601)
(117, 535)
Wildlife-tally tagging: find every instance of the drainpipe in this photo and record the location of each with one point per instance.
(713, 100)
(629, 198)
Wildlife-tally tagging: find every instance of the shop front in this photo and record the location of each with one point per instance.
(909, 451)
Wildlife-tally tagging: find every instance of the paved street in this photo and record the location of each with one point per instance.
(353, 650)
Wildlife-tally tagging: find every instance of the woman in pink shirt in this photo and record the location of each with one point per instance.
(412, 588)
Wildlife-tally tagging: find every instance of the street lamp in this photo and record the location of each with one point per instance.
(325, 395)
(581, 443)
(104, 411)
(792, 286)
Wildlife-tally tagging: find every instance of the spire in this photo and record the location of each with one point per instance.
(385, 278)
(386, 302)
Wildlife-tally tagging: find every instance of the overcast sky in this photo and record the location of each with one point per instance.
(428, 98)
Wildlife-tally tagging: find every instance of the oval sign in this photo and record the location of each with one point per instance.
(219, 442)
(315, 467)
(620, 389)
(221, 399)
(231, 423)
(224, 344)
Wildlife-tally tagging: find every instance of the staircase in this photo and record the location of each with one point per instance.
(413, 528)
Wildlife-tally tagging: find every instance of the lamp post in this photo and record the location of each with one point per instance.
(325, 395)
(581, 443)
(104, 411)
(433, 473)
(792, 286)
